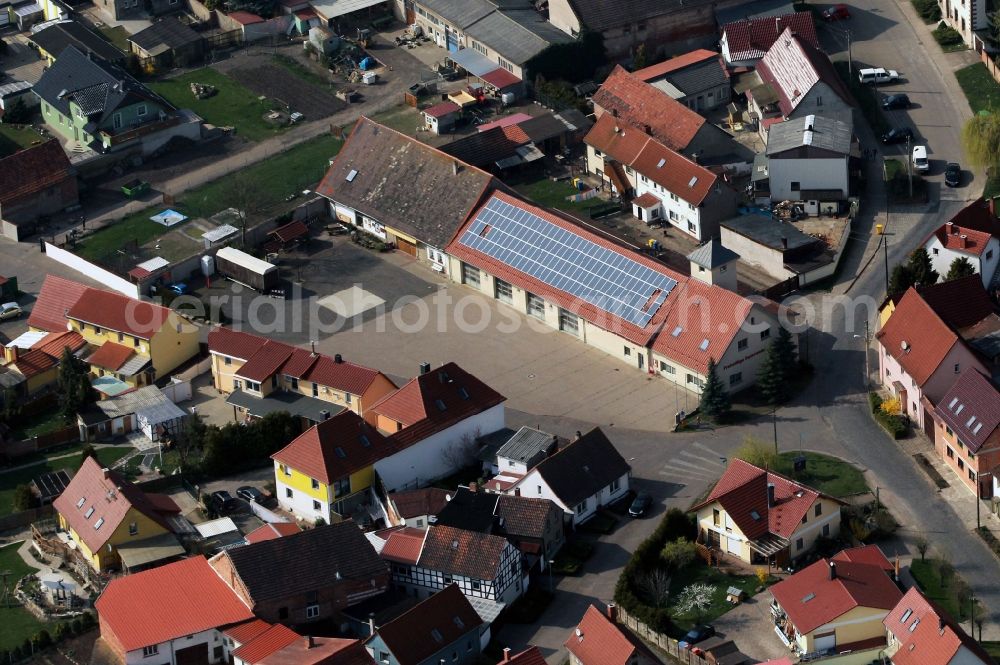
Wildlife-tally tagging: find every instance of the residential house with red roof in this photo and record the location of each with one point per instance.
(919, 632)
(761, 517)
(483, 566)
(698, 79)
(433, 421)
(31, 361)
(920, 357)
(34, 182)
(259, 643)
(530, 656)
(173, 614)
(272, 530)
(114, 525)
(326, 473)
(797, 79)
(972, 234)
(135, 342)
(600, 640)
(746, 41)
(443, 628)
(261, 375)
(414, 508)
(833, 606)
(967, 432)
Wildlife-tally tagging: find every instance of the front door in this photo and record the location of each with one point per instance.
(642, 361)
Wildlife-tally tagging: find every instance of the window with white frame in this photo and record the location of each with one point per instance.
(435, 255)
(151, 650)
(536, 306)
(312, 611)
(470, 275)
(504, 291)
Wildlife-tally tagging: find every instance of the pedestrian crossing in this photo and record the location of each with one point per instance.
(696, 463)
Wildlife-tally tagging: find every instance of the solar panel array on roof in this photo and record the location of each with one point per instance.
(599, 276)
(50, 485)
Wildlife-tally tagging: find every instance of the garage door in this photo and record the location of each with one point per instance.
(825, 642)
(196, 655)
(406, 246)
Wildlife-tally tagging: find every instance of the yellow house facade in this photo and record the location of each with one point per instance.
(135, 526)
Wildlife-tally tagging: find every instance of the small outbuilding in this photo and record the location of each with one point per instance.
(168, 42)
(442, 118)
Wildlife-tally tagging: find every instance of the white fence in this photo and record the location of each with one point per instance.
(96, 273)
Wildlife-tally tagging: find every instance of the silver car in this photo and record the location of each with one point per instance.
(10, 310)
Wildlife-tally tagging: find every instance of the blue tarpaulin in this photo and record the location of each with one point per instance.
(367, 63)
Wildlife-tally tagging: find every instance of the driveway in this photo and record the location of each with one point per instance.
(749, 624)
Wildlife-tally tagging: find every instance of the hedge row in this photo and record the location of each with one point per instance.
(675, 524)
(895, 425)
(43, 639)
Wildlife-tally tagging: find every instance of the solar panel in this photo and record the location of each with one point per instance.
(584, 269)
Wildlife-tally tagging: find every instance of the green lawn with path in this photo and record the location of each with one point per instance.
(233, 105)
(290, 172)
(552, 194)
(979, 87)
(13, 138)
(700, 573)
(11, 479)
(17, 622)
(824, 473)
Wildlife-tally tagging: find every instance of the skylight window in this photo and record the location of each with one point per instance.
(660, 163)
(458, 622)
(970, 422)
(808, 597)
(959, 409)
(98, 524)
(952, 403)
(440, 405)
(975, 430)
(693, 181)
(906, 615)
(90, 511)
(364, 440)
(436, 634)
(463, 393)
(704, 345)
(79, 504)
(340, 452)
(913, 626)
(754, 514)
(352, 175)
(677, 331)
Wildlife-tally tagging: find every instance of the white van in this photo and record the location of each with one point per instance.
(920, 162)
(878, 75)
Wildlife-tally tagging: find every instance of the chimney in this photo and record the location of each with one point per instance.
(784, 242)
(770, 495)
(614, 113)
(992, 205)
(312, 642)
(425, 368)
(337, 358)
(648, 129)
(13, 353)
(613, 612)
(950, 228)
(833, 570)
(963, 239)
(107, 472)
(454, 167)
(312, 348)
(371, 623)
(517, 491)
(940, 624)
(473, 487)
(506, 655)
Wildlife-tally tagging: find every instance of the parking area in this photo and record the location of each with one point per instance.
(20, 61)
(749, 624)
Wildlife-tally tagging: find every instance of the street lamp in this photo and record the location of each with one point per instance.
(867, 339)
(551, 562)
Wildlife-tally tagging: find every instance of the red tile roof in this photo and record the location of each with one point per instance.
(321, 651)
(266, 362)
(435, 401)
(647, 200)
(344, 375)
(742, 491)
(530, 656)
(414, 503)
(34, 362)
(56, 298)
(110, 496)
(598, 641)
(977, 216)
(811, 599)
(404, 545)
(245, 18)
(457, 552)
(33, 170)
(447, 613)
(245, 632)
(290, 231)
(641, 104)
(233, 343)
(54, 343)
(120, 313)
(272, 530)
(110, 356)
(336, 448)
(793, 66)
(675, 173)
(870, 554)
(961, 302)
(500, 78)
(974, 242)
(750, 39)
(656, 71)
(936, 637)
(927, 338)
(505, 121)
(617, 137)
(167, 602)
(515, 134)
(263, 645)
(971, 408)
(442, 109)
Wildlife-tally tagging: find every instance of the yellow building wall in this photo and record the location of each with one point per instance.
(173, 345)
(300, 482)
(809, 531)
(362, 480)
(104, 559)
(42, 380)
(222, 374)
(706, 522)
(861, 623)
(885, 313)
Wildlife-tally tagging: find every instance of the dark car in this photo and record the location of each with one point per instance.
(640, 505)
(837, 13)
(897, 135)
(697, 634)
(896, 102)
(250, 494)
(180, 288)
(223, 502)
(952, 174)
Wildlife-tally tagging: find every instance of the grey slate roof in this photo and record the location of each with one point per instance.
(98, 86)
(712, 254)
(404, 183)
(816, 131)
(518, 35)
(525, 444)
(583, 467)
(55, 38)
(460, 13)
(697, 77)
(768, 231)
(754, 10)
(168, 32)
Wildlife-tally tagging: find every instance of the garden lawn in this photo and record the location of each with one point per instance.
(17, 622)
(824, 473)
(928, 578)
(552, 194)
(979, 87)
(14, 138)
(290, 172)
(231, 106)
(117, 35)
(11, 479)
(53, 422)
(300, 70)
(404, 119)
(699, 572)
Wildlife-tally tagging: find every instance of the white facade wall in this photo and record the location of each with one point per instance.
(562, 16)
(966, 16)
(890, 372)
(166, 651)
(301, 503)
(534, 486)
(812, 173)
(985, 264)
(427, 460)
(768, 259)
(681, 214)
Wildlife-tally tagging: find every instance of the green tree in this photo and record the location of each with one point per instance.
(981, 140)
(75, 391)
(88, 451)
(757, 452)
(715, 402)
(18, 113)
(771, 380)
(23, 498)
(921, 268)
(679, 553)
(959, 268)
(784, 348)
(639, 59)
(900, 280)
(11, 408)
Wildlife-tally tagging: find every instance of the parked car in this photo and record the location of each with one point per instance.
(180, 288)
(222, 502)
(899, 101)
(697, 634)
(920, 162)
(10, 310)
(953, 174)
(640, 505)
(251, 494)
(837, 13)
(897, 135)
(878, 75)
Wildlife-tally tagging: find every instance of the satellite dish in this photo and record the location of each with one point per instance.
(905, 345)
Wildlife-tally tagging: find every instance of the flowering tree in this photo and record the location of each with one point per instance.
(694, 599)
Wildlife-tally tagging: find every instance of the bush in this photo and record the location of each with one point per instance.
(895, 424)
(23, 498)
(42, 640)
(62, 632)
(929, 10)
(947, 36)
(76, 626)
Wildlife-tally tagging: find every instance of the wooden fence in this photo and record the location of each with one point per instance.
(24, 518)
(668, 645)
(991, 66)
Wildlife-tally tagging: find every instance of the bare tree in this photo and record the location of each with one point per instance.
(245, 195)
(462, 453)
(655, 585)
(922, 545)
